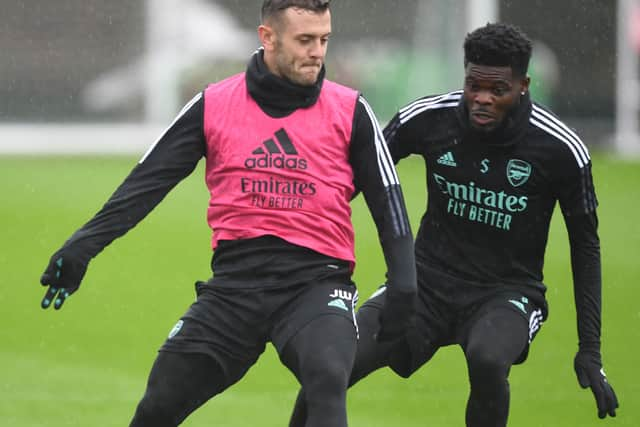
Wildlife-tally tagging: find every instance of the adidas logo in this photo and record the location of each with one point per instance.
(447, 159)
(518, 304)
(174, 331)
(338, 303)
(276, 153)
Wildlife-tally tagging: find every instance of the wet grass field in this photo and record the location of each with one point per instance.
(87, 364)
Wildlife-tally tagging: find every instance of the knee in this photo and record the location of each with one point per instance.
(486, 366)
(325, 373)
(330, 374)
(152, 410)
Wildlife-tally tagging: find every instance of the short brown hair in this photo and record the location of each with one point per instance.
(271, 8)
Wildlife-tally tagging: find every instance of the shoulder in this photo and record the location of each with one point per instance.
(433, 117)
(333, 89)
(237, 80)
(557, 136)
(431, 105)
(222, 92)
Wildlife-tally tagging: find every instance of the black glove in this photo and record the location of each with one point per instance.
(397, 316)
(588, 366)
(63, 276)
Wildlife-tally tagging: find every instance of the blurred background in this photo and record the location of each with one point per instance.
(87, 73)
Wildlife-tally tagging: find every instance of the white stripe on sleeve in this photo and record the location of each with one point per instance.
(385, 163)
(180, 114)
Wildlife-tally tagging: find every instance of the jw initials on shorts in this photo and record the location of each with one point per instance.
(339, 293)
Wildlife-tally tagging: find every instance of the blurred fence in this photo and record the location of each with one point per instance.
(90, 76)
(77, 139)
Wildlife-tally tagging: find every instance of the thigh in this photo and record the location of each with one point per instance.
(227, 325)
(408, 354)
(325, 346)
(178, 384)
(500, 329)
(371, 354)
(301, 305)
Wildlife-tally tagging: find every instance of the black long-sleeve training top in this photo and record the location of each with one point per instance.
(491, 198)
(179, 149)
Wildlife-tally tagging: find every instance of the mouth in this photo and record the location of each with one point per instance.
(482, 118)
(311, 67)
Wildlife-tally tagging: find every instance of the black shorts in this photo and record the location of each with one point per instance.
(445, 315)
(234, 325)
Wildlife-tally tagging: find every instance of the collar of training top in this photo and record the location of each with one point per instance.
(278, 97)
(510, 130)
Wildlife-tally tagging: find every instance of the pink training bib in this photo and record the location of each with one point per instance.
(288, 177)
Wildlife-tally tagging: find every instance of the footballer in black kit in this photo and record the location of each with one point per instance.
(496, 163)
(274, 278)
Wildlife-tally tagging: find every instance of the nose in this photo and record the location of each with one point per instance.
(483, 97)
(316, 50)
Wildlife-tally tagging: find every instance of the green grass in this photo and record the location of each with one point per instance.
(87, 364)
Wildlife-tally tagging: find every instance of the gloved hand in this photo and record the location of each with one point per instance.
(588, 367)
(397, 315)
(63, 276)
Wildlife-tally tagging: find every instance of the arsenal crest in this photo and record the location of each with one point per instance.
(518, 172)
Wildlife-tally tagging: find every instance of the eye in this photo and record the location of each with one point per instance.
(500, 91)
(473, 87)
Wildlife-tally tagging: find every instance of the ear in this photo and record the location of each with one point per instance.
(267, 36)
(524, 84)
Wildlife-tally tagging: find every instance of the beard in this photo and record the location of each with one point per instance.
(302, 74)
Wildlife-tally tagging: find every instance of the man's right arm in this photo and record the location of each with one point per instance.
(391, 133)
(170, 159)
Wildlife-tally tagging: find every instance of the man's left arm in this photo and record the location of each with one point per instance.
(578, 202)
(376, 177)
(586, 268)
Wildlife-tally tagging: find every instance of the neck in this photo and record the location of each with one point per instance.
(276, 95)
